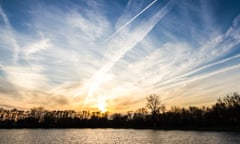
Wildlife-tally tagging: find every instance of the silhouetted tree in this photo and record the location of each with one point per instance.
(155, 106)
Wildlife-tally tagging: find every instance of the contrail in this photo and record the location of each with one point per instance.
(131, 20)
(205, 76)
(197, 70)
(143, 29)
(108, 65)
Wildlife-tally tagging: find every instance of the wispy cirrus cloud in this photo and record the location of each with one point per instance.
(77, 56)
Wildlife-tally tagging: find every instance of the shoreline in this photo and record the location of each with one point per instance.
(134, 128)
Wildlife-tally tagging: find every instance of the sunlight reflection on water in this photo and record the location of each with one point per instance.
(112, 136)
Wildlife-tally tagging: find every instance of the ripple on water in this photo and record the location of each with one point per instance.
(114, 136)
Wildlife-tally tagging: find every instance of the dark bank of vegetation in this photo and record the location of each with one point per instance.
(223, 115)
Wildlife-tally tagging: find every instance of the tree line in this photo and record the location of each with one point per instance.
(223, 115)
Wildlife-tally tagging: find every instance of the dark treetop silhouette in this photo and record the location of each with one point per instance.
(223, 115)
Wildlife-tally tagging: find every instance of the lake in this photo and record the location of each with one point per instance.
(114, 136)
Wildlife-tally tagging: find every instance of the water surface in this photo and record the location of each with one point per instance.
(114, 136)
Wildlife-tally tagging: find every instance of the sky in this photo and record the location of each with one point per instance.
(110, 55)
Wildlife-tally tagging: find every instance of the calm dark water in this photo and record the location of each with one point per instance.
(112, 136)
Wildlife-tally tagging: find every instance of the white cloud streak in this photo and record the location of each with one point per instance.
(122, 43)
(65, 60)
(12, 39)
(131, 20)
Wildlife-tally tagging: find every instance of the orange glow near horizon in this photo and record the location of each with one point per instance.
(102, 107)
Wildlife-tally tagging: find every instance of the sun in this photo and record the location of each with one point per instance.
(102, 107)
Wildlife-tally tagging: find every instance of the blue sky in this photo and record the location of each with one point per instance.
(111, 55)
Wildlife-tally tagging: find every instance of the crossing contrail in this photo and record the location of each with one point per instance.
(131, 20)
(143, 29)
